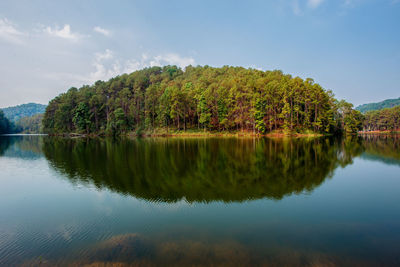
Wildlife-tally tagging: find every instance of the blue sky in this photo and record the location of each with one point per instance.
(349, 46)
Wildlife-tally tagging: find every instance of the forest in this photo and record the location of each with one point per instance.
(26, 125)
(387, 119)
(5, 125)
(202, 98)
(25, 118)
(30, 124)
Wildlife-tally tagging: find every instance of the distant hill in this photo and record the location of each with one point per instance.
(30, 125)
(25, 110)
(388, 103)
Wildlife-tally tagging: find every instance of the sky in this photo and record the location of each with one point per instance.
(351, 47)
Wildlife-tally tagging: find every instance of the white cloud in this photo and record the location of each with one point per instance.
(64, 33)
(104, 69)
(9, 33)
(315, 3)
(134, 65)
(102, 31)
(106, 66)
(171, 59)
(108, 54)
(255, 67)
(100, 64)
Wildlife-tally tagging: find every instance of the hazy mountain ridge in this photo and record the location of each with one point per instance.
(25, 110)
(388, 103)
(25, 118)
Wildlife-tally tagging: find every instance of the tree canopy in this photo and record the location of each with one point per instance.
(30, 125)
(200, 98)
(387, 119)
(5, 125)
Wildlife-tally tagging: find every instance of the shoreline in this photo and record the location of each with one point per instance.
(270, 135)
(273, 135)
(198, 135)
(379, 132)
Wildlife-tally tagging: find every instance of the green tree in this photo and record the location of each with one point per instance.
(81, 117)
(214, 99)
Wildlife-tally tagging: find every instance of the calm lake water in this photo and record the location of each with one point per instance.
(200, 202)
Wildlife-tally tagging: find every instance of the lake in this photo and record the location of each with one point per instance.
(200, 201)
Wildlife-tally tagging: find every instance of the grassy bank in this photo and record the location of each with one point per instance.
(380, 132)
(163, 132)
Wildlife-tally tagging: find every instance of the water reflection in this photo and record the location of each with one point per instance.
(383, 148)
(201, 170)
(123, 250)
(353, 220)
(20, 146)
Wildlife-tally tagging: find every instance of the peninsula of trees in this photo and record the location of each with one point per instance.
(202, 98)
(387, 119)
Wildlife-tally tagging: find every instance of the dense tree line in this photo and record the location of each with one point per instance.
(351, 120)
(200, 98)
(25, 118)
(30, 125)
(382, 120)
(5, 125)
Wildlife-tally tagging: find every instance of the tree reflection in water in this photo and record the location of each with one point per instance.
(201, 170)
